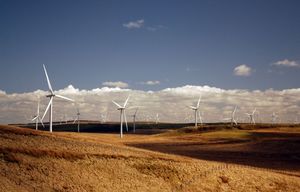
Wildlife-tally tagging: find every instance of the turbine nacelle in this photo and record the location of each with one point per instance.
(194, 108)
(51, 95)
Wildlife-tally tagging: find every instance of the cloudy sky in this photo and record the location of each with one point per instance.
(162, 53)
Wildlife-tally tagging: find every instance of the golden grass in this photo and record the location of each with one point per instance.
(38, 161)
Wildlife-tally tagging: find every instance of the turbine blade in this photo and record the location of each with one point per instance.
(116, 104)
(75, 120)
(126, 101)
(234, 110)
(34, 118)
(199, 101)
(234, 121)
(48, 81)
(41, 121)
(200, 118)
(254, 111)
(65, 98)
(50, 102)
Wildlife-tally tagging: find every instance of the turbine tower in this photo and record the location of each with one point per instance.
(37, 117)
(197, 114)
(232, 118)
(122, 115)
(134, 118)
(77, 119)
(251, 116)
(51, 96)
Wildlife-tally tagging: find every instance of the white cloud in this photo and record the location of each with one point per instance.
(151, 28)
(119, 84)
(150, 83)
(2, 92)
(193, 90)
(108, 89)
(68, 90)
(242, 70)
(134, 24)
(170, 103)
(286, 63)
(156, 27)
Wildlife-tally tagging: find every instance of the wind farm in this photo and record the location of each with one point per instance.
(150, 96)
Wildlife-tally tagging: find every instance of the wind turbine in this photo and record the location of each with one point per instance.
(232, 119)
(134, 117)
(296, 120)
(251, 116)
(157, 119)
(274, 117)
(37, 117)
(77, 119)
(122, 115)
(51, 96)
(102, 118)
(196, 108)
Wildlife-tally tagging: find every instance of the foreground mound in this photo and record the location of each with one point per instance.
(39, 161)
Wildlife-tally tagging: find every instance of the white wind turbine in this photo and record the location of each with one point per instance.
(122, 115)
(274, 117)
(51, 96)
(197, 114)
(232, 118)
(157, 119)
(37, 117)
(134, 118)
(296, 120)
(103, 118)
(251, 116)
(77, 119)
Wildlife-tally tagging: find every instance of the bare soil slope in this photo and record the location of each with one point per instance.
(40, 161)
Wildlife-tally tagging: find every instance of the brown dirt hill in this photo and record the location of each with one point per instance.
(39, 161)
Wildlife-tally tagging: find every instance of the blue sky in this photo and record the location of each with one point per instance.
(171, 43)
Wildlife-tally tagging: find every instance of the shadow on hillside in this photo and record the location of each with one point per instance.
(280, 151)
(141, 128)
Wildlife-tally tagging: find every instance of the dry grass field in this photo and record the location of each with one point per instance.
(185, 160)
